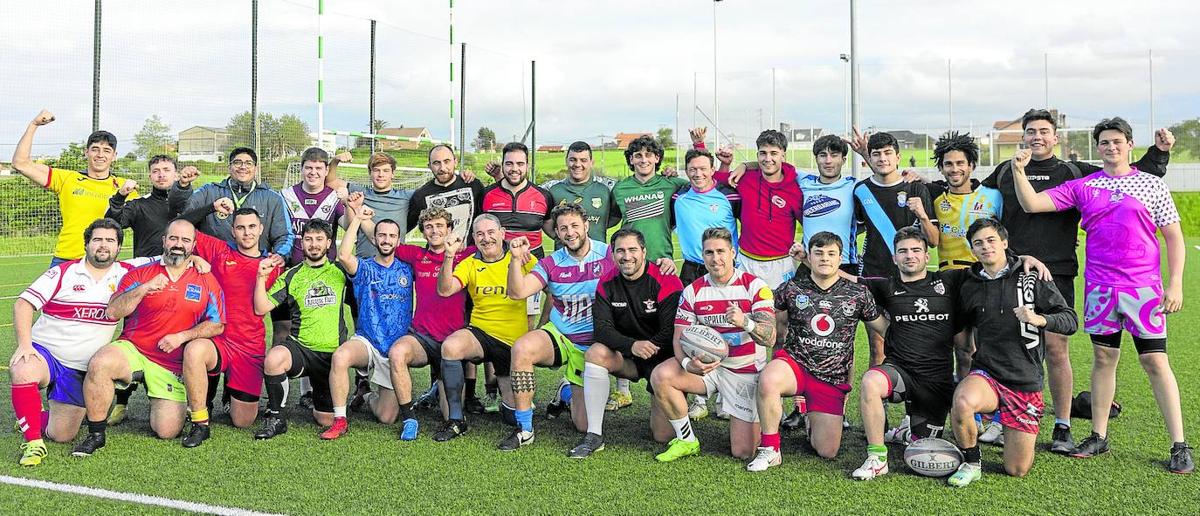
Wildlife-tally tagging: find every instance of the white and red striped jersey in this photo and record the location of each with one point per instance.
(73, 325)
(704, 302)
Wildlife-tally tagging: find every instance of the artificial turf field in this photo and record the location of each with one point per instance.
(370, 471)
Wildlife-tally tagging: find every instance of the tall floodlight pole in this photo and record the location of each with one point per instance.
(451, 56)
(854, 69)
(846, 92)
(462, 106)
(371, 107)
(774, 123)
(1046, 77)
(716, 99)
(950, 94)
(677, 134)
(1150, 63)
(320, 73)
(96, 69)
(254, 76)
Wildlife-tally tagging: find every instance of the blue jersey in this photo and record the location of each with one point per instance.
(385, 301)
(830, 207)
(573, 284)
(697, 211)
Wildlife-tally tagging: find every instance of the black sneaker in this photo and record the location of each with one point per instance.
(515, 440)
(1181, 459)
(473, 406)
(1092, 446)
(428, 399)
(1062, 443)
(590, 444)
(793, 421)
(272, 426)
(358, 402)
(306, 401)
(450, 429)
(558, 405)
(94, 441)
(197, 435)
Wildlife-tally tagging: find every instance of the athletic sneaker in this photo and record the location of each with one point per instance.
(845, 423)
(901, 434)
(767, 457)
(874, 466)
(473, 406)
(306, 401)
(359, 402)
(33, 451)
(339, 428)
(590, 444)
(558, 405)
(117, 416)
(793, 421)
(1062, 442)
(408, 430)
(450, 429)
(272, 426)
(89, 445)
(678, 448)
(698, 409)
(491, 403)
(196, 436)
(427, 399)
(994, 434)
(1092, 446)
(1181, 459)
(967, 473)
(721, 414)
(618, 400)
(515, 440)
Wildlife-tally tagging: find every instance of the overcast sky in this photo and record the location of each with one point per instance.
(602, 67)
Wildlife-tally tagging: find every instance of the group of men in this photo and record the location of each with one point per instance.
(968, 339)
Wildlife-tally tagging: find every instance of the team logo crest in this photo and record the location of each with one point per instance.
(649, 305)
(821, 324)
(596, 202)
(222, 215)
(901, 199)
(597, 268)
(848, 308)
(945, 205)
(939, 288)
(192, 293)
(802, 302)
(319, 294)
(403, 281)
(712, 208)
(1116, 197)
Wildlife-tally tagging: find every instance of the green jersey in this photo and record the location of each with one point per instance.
(594, 196)
(314, 296)
(646, 207)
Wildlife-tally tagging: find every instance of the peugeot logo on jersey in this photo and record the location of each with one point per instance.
(921, 305)
(821, 324)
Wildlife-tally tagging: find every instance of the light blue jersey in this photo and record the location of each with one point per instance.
(573, 284)
(697, 211)
(830, 207)
(385, 302)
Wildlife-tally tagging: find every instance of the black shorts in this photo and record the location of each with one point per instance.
(433, 352)
(691, 271)
(315, 365)
(281, 313)
(1066, 287)
(495, 351)
(926, 401)
(645, 366)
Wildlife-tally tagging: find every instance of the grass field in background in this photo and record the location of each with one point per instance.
(370, 471)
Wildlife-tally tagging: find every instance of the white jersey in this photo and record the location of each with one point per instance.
(73, 325)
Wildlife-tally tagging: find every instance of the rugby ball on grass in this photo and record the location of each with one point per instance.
(703, 343)
(933, 457)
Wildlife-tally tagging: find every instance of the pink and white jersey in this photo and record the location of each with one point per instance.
(1120, 215)
(73, 325)
(704, 302)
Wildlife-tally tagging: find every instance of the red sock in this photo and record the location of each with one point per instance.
(27, 405)
(770, 441)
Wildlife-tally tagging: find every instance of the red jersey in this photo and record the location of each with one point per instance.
(236, 273)
(522, 213)
(769, 214)
(435, 316)
(179, 306)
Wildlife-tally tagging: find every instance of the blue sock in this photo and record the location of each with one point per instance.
(1063, 422)
(565, 393)
(996, 417)
(525, 419)
(452, 381)
(978, 419)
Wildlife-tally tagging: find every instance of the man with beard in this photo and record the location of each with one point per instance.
(571, 275)
(643, 200)
(148, 216)
(243, 190)
(82, 196)
(53, 352)
(384, 288)
(460, 196)
(165, 306)
(314, 292)
(238, 352)
(634, 318)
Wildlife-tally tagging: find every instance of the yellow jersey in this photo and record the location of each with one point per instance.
(487, 284)
(81, 200)
(955, 213)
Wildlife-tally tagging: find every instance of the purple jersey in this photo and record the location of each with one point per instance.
(303, 207)
(1120, 215)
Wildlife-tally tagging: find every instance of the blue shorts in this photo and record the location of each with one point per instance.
(66, 384)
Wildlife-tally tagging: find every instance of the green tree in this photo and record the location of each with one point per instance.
(154, 138)
(70, 158)
(1187, 137)
(378, 125)
(278, 137)
(666, 137)
(485, 140)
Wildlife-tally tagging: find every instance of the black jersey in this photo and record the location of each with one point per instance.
(882, 211)
(920, 338)
(643, 309)
(460, 198)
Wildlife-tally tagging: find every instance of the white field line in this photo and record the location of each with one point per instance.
(129, 497)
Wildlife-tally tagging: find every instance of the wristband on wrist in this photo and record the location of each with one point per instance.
(750, 325)
(684, 363)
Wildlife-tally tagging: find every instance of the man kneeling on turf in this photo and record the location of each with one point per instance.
(739, 306)
(166, 305)
(822, 311)
(1010, 312)
(634, 319)
(313, 292)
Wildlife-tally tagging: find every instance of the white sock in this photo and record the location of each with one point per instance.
(701, 400)
(623, 386)
(683, 429)
(339, 411)
(595, 396)
(305, 385)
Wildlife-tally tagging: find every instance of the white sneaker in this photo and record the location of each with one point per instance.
(993, 434)
(767, 457)
(874, 466)
(901, 434)
(698, 409)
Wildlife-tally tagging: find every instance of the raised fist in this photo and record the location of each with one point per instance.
(43, 117)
